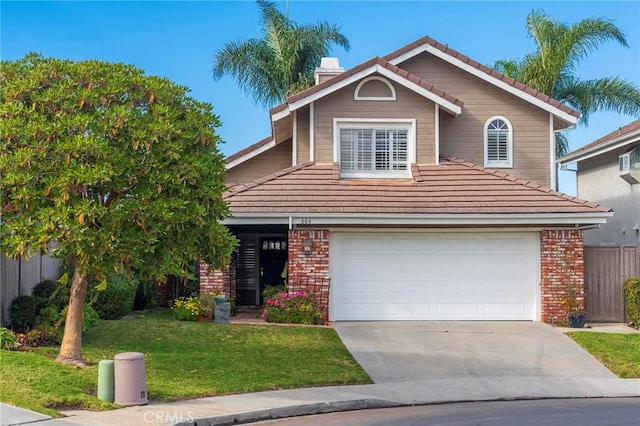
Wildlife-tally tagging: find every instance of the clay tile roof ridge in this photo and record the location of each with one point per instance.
(527, 184)
(237, 189)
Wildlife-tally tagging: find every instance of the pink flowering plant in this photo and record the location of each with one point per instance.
(292, 308)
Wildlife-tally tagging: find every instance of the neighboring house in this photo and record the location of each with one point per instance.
(411, 187)
(609, 173)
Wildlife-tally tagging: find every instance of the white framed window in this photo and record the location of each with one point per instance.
(498, 142)
(373, 148)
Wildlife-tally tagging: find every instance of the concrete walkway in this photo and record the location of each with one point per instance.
(426, 388)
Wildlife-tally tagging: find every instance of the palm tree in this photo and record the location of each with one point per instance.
(280, 63)
(551, 68)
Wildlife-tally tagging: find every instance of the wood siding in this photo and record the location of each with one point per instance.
(605, 271)
(408, 105)
(462, 136)
(303, 135)
(266, 163)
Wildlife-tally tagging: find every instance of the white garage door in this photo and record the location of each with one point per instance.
(484, 276)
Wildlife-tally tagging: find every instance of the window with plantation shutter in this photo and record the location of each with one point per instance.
(498, 143)
(373, 150)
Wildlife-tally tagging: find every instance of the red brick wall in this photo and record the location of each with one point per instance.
(215, 279)
(310, 272)
(561, 265)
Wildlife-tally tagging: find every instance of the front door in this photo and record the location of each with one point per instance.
(273, 262)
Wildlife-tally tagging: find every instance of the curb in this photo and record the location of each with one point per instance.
(292, 411)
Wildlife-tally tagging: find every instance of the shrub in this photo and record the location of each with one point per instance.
(186, 308)
(43, 335)
(632, 300)
(206, 304)
(50, 293)
(294, 308)
(272, 291)
(7, 339)
(23, 313)
(116, 300)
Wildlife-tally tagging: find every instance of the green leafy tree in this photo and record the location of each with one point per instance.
(119, 168)
(552, 68)
(280, 63)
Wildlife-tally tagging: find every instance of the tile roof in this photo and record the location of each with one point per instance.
(452, 187)
(620, 132)
(371, 62)
(487, 70)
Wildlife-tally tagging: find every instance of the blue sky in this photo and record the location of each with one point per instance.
(178, 40)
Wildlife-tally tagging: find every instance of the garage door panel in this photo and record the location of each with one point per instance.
(462, 310)
(505, 309)
(433, 276)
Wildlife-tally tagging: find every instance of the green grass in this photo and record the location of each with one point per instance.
(619, 352)
(183, 360)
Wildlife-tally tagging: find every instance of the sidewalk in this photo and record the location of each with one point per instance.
(233, 409)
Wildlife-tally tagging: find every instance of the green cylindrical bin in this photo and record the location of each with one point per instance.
(106, 388)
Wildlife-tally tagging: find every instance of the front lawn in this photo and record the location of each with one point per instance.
(620, 353)
(183, 360)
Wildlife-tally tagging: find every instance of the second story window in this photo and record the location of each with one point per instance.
(498, 143)
(374, 151)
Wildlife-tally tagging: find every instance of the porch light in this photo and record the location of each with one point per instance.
(306, 247)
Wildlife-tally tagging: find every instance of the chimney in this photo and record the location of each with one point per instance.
(329, 67)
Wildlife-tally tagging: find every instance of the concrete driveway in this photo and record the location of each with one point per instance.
(430, 350)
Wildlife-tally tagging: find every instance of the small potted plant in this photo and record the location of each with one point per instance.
(206, 306)
(573, 308)
(219, 296)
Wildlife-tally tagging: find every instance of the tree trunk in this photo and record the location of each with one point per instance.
(71, 348)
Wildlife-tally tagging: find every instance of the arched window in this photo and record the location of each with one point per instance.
(374, 88)
(498, 143)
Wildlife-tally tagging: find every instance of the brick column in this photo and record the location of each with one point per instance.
(211, 280)
(310, 272)
(561, 266)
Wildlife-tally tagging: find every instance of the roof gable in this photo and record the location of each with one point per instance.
(429, 45)
(373, 66)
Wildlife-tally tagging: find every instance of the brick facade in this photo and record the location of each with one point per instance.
(212, 280)
(561, 266)
(310, 272)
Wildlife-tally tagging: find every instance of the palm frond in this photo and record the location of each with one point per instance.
(283, 61)
(602, 94)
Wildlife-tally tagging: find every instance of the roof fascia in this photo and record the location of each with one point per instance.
(486, 77)
(363, 219)
(249, 155)
(613, 144)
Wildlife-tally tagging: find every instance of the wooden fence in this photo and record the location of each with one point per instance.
(19, 276)
(605, 271)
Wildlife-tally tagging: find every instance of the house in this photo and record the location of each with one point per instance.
(608, 172)
(414, 186)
